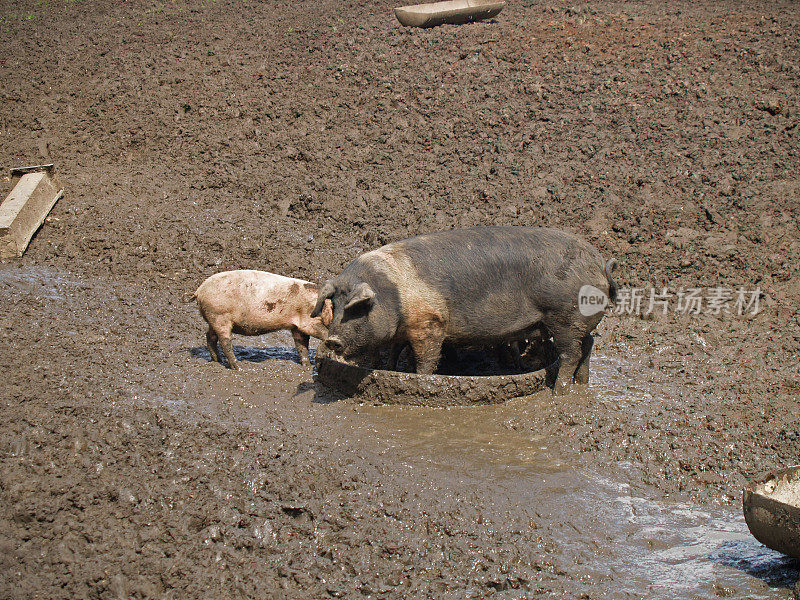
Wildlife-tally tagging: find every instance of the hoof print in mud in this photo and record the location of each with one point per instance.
(395, 387)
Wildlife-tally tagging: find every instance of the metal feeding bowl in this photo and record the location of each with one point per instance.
(457, 383)
(772, 510)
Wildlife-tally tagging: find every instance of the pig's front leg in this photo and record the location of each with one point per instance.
(426, 345)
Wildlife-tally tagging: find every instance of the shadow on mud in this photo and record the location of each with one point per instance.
(749, 556)
(253, 355)
(322, 395)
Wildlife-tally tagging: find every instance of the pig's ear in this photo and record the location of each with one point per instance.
(361, 293)
(326, 291)
(327, 314)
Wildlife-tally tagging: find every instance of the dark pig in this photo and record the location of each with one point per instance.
(478, 286)
(251, 302)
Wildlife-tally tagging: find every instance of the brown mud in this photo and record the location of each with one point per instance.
(198, 136)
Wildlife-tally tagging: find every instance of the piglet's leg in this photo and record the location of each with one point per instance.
(227, 349)
(222, 326)
(301, 344)
(211, 341)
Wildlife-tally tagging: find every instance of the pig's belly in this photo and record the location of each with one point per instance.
(260, 322)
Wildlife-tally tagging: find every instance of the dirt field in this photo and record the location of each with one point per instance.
(199, 136)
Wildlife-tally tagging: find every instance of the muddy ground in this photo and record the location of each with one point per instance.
(194, 137)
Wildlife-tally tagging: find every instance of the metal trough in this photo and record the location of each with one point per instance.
(36, 190)
(452, 11)
(772, 511)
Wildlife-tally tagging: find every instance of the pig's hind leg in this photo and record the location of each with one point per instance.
(582, 372)
(301, 344)
(568, 344)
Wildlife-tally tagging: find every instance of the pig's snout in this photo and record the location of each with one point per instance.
(334, 344)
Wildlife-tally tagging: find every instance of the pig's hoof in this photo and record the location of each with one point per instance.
(561, 389)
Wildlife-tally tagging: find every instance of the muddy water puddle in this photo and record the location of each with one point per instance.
(621, 539)
(478, 437)
(677, 550)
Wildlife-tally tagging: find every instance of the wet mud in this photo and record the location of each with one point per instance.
(194, 137)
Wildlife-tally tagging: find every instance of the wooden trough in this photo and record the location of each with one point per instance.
(772, 510)
(454, 12)
(36, 190)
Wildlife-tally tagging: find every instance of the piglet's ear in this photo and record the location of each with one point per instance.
(361, 293)
(326, 291)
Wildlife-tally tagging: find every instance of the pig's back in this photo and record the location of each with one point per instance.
(477, 261)
(497, 280)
